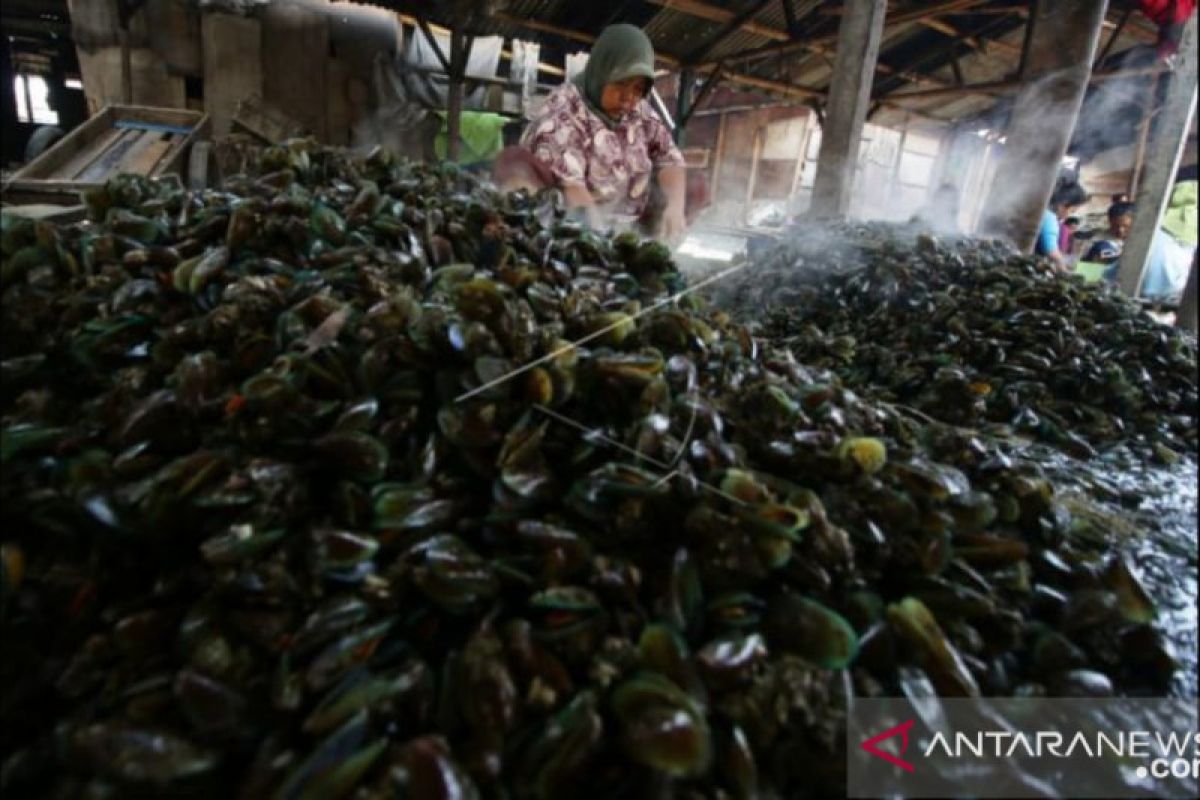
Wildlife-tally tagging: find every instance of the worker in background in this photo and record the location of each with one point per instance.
(1066, 236)
(1108, 249)
(1068, 197)
(1172, 247)
(604, 146)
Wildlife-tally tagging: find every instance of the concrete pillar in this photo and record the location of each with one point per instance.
(1060, 55)
(1162, 163)
(1186, 318)
(849, 99)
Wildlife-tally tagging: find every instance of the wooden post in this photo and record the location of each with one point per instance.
(849, 98)
(1166, 149)
(126, 66)
(802, 156)
(28, 98)
(754, 157)
(228, 40)
(683, 103)
(1139, 158)
(1186, 317)
(524, 70)
(460, 54)
(718, 156)
(895, 181)
(1061, 51)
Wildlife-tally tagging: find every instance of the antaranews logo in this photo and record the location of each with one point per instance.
(1024, 747)
(872, 745)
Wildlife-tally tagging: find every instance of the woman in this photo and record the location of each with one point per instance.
(597, 138)
(1066, 198)
(1108, 249)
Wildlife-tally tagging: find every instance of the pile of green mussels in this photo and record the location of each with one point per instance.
(975, 334)
(358, 479)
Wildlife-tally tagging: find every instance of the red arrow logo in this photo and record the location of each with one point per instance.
(902, 730)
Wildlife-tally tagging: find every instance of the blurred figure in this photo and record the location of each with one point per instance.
(1170, 17)
(1063, 203)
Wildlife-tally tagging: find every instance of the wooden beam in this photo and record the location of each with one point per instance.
(791, 90)
(549, 69)
(423, 24)
(790, 19)
(1065, 37)
(779, 87)
(1027, 42)
(1007, 86)
(1139, 158)
(973, 42)
(683, 103)
(706, 89)
(460, 54)
(1166, 148)
(717, 14)
(824, 48)
(859, 36)
(1112, 40)
(980, 45)
(900, 18)
(730, 27)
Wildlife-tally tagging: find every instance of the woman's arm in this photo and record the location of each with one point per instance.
(673, 180)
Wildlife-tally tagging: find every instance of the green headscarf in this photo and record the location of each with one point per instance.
(621, 52)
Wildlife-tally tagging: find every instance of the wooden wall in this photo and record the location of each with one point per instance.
(184, 58)
(768, 155)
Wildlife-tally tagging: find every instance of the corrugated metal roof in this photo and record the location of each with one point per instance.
(911, 48)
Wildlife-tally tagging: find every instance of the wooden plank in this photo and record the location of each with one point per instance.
(63, 215)
(88, 155)
(157, 115)
(50, 161)
(142, 157)
(337, 119)
(152, 84)
(295, 58)
(102, 168)
(174, 162)
(233, 65)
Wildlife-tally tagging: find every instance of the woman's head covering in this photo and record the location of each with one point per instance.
(621, 52)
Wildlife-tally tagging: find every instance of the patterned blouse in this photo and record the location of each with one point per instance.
(615, 164)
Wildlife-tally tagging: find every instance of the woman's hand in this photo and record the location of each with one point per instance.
(673, 227)
(578, 196)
